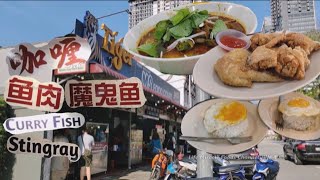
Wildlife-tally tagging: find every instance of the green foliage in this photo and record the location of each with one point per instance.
(314, 35)
(7, 159)
(312, 89)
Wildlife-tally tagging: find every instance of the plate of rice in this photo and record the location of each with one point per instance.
(300, 114)
(223, 118)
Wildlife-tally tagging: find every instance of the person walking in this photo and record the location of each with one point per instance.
(59, 165)
(86, 141)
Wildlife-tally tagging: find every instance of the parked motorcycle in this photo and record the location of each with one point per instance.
(265, 169)
(229, 172)
(159, 164)
(181, 170)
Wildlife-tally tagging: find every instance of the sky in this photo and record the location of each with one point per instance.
(36, 21)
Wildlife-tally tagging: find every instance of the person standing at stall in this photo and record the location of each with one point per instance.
(86, 141)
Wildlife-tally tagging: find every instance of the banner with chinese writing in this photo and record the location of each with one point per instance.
(30, 93)
(67, 55)
(127, 93)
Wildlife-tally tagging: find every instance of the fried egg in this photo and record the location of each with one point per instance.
(298, 107)
(226, 119)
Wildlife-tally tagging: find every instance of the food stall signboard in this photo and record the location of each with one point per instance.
(127, 93)
(67, 55)
(45, 148)
(30, 93)
(43, 122)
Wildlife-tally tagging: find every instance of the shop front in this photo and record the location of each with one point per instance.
(121, 135)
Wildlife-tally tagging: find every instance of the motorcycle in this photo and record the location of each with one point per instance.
(159, 164)
(229, 172)
(265, 169)
(181, 170)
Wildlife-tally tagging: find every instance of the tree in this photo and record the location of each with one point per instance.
(7, 159)
(312, 89)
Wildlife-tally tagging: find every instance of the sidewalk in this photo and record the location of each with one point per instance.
(141, 172)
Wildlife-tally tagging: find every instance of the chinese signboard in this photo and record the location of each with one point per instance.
(126, 93)
(30, 93)
(45, 122)
(67, 55)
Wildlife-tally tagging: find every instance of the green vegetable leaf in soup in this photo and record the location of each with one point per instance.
(167, 36)
(183, 29)
(198, 18)
(150, 49)
(219, 26)
(181, 14)
(204, 12)
(161, 29)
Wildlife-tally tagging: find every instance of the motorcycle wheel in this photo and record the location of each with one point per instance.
(234, 178)
(155, 174)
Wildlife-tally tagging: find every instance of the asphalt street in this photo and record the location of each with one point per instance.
(288, 170)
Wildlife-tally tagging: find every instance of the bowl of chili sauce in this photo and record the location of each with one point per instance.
(232, 39)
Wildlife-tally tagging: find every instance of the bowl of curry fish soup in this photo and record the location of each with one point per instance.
(174, 40)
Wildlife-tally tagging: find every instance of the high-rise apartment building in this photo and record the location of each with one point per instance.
(293, 15)
(141, 9)
(267, 26)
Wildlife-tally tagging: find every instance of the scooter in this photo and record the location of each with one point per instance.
(159, 164)
(181, 170)
(229, 172)
(265, 169)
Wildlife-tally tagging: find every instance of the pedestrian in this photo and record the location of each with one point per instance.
(59, 165)
(170, 142)
(85, 141)
(156, 143)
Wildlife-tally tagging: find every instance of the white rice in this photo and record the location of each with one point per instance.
(300, 123)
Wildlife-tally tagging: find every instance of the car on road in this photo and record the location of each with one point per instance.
(302, 151)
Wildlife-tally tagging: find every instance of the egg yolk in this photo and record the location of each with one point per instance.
(232, 113)
(298, 102)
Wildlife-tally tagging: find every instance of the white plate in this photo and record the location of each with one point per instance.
(183, 65)
(208, 80)
(268, 112)
(192, 125)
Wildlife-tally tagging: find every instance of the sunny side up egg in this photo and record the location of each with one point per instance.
(298, 107)
(222, 114)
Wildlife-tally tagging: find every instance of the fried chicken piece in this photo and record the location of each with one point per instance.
(298, 39)
(292, 63)
(261, 39)
(277, 40)
(263, 58)
(232, 69)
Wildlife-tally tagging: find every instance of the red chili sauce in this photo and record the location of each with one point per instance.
(233, 42)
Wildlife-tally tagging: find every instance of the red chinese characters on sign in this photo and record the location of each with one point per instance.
(129, 94)
(81, 94)
(20, 91)
(66, 51)
(27, 59)
(49, 95)
(29, 93)
(105, 93)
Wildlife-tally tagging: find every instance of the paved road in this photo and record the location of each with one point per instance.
(288, 170)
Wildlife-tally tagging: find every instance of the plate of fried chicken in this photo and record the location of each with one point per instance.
(276, 64)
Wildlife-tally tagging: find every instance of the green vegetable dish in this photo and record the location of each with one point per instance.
(185, 34)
